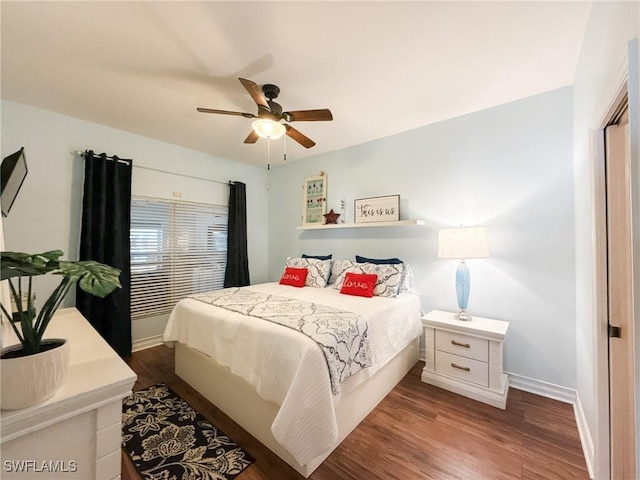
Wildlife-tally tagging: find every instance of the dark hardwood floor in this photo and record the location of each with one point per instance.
(416, 432)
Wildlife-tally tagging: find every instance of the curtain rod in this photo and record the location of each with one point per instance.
(183, 175)
(109, 157)
(228, 182)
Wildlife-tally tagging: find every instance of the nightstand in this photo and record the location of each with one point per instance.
(78, 431)
(466, 357)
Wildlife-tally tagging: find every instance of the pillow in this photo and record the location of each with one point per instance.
(336, 269)
(378, 261)
(294, 276)
(406, 283)
(360, 284)
(389, 276)
(318, 270)
(318, 257)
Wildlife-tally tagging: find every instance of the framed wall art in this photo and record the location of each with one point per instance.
(314, 199)
(377, 209)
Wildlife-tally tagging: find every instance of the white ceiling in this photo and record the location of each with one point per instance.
(381, 67)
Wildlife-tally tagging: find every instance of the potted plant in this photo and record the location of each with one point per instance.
(33, 370)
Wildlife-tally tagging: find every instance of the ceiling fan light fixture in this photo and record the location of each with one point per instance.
(266, 128)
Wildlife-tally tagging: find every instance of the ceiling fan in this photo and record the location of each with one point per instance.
(270, 114)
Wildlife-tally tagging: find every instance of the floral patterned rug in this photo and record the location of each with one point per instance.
(167, 439)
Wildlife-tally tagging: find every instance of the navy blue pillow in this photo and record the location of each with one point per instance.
(378, 261)
(318, 257)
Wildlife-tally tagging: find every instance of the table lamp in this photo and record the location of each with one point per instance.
(462, 243)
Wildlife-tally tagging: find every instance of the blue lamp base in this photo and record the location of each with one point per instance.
(463, 286)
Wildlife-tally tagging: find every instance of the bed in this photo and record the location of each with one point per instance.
(277, 382)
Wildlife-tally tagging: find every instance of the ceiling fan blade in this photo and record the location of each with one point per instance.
(252, 137)
(225, 112)
(321, 115)
(299, 137)
(256, 93)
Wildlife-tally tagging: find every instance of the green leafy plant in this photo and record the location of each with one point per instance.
(20, 268)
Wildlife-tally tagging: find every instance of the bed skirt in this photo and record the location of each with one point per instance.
(239, 400)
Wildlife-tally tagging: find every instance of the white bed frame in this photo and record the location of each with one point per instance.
(239, 400)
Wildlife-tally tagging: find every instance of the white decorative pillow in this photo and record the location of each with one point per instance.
(339, 270)
(338, 267)
(318, 270)
(406, 284)
(389, 276)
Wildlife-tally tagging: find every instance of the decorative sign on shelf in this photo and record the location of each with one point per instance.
(377, 209)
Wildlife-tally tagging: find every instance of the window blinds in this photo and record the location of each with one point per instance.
(177, 248)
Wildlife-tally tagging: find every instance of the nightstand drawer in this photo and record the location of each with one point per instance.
(466, 369)
(464, 345)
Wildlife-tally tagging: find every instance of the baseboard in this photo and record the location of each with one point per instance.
(544, 389)
(145, 343)
(585, 437)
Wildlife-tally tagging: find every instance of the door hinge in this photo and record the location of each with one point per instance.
(615, 332)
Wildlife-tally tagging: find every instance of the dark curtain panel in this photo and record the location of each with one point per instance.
(106, 214)
(237, 272)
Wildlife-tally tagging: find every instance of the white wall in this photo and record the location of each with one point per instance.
(509, 168)
(603, 58)
(47, 211)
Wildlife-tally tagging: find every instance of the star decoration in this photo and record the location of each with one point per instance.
(331, 218)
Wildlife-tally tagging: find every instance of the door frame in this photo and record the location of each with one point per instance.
(602, 460)
(620, 254)
(624, 85)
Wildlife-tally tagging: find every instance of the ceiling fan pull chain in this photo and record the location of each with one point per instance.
(285, 148)
(268, 153)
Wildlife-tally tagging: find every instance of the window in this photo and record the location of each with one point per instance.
(177, 248)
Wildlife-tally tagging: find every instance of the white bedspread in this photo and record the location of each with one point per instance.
(288, 368)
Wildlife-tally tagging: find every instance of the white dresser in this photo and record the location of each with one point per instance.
(466, 357)
(77, 433)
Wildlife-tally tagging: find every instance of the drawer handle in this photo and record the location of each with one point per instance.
(464, 345)
(466, 369)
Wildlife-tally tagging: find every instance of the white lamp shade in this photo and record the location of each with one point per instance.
(463, 242)
(268, 128)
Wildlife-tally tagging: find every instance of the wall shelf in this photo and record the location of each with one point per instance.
(399, 223)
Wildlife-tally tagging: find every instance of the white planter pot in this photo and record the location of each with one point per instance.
(32, 379)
